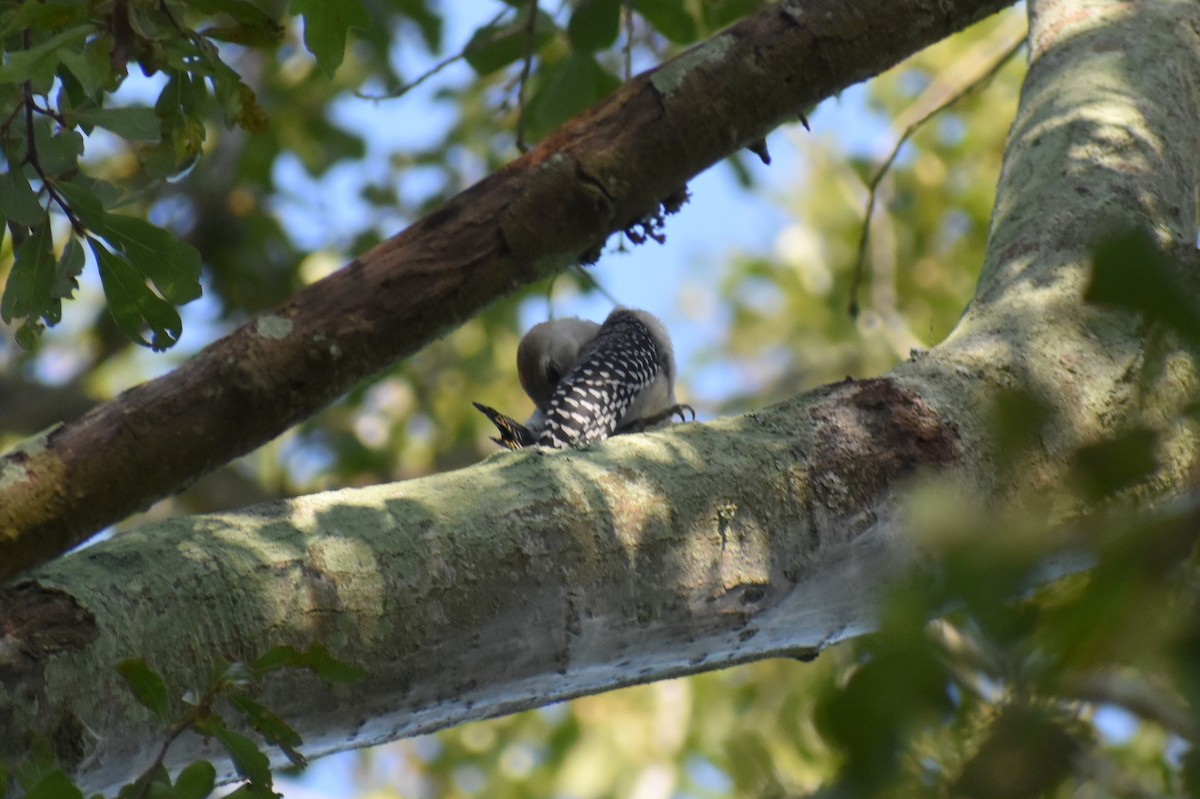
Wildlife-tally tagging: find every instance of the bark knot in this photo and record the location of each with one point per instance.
(872, 433)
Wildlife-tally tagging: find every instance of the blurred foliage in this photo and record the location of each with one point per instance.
(229, 695)
(275, 141)
(788, 309)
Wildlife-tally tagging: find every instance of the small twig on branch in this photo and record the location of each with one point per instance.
(436, 68)
(31, 154)
(939, 98)
(50, 112)
(526, 66)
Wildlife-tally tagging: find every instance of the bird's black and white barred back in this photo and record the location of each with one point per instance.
(590, 381)
(624, 358)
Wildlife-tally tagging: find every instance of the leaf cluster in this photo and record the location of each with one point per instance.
(231, 683)
(66, 59)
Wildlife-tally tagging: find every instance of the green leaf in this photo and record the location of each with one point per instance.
(18, 201)
(272, 728)
(725, 12)
(572, 85)
(670, 18)
(239, 102)
(317, 660)
(67, 270)
(277, 657)
(92, 67)
(245, 35)
(251, 791)
(1131, 272)
(429, 22)
(328, 668)
(181, 94)
(1120, 462)
(171, 264)
(495, 46)
(39, 62)
(325, 27)
(157, 254)
(240, 10)
(153, 784)
(249, 761)
(145, 683)
(131, 302)
(29, 292)
(54, 786)
(135, 123)
(39, 764)
(58, 149)
(196, 781)
(594, 24)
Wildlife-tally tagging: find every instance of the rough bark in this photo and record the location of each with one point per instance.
(604, 171)
(536, 576)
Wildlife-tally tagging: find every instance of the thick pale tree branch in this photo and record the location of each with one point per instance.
(536, 576)
(602, 172)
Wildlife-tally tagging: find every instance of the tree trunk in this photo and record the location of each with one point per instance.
(536, 576)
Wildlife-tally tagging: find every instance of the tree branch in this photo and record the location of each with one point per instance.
(537, 575)
(600, 173)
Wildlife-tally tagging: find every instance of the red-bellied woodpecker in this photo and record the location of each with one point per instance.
(592, 381)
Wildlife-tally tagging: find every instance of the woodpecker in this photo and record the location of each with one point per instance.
(547, 351)
(590, 381)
